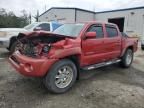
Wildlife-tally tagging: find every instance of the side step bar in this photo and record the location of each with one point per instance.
(100, 64)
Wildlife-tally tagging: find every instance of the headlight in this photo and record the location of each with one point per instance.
(3, 34)
(46, 48)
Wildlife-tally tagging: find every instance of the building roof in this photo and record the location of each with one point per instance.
(122, 9)
(67, 8)
(92, 11)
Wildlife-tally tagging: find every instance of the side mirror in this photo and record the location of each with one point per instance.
(37, 28)
(90, 35)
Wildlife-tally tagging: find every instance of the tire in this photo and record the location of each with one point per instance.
(142, 47)
(127, 59)
(13, 47)
(58, 74)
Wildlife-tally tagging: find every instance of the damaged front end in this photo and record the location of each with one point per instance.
(38, 51)
(39, 44)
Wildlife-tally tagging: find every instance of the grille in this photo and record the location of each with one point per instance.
(28, 50)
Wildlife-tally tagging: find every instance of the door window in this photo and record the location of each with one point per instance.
(98, 29)
(111, 31)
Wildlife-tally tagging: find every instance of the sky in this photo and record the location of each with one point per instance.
(31, 6)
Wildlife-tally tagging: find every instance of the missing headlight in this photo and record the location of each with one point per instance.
(46, 48)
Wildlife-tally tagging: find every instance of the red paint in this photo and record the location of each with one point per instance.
(39, 66)
(89, 51)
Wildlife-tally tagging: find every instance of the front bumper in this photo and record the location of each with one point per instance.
(4, 43)
(32, 67)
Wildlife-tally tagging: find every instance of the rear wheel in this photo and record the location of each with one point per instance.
(61, 76)
(142, 47)
(127, 58)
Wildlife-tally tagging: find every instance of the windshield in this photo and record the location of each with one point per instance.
(30, 26)
(69, 29)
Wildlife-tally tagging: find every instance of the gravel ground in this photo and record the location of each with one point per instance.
(107, 87)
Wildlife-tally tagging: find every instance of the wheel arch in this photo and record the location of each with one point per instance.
(75, 60)
(12, 39)
(124, 63)
(129, 47)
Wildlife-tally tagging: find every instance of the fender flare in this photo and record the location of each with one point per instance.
(128, 47)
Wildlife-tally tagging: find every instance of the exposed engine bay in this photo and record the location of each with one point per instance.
(36, 45)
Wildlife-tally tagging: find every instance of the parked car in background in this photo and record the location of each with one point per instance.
(142, 43)
(8, 35)
(58, 57)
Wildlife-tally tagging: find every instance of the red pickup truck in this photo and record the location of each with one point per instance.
(58, 57)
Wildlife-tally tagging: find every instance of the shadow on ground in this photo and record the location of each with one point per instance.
(129, 76)
(24, 92)
(4, 53)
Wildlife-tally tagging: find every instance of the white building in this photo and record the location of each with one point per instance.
(129, 20)
(64, 15)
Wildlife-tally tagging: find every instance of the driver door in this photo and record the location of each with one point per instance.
(93, 49)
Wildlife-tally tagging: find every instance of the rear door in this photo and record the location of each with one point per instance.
(112, 42)
(93, 49)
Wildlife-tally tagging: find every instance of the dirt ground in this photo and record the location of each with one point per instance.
(107, 87)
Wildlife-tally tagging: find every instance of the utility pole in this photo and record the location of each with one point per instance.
(30, 18)
(36, 16)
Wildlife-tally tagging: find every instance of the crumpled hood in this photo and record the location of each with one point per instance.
(13, 29)
(42, 33)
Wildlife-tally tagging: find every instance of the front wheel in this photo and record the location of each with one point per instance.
(61, 76)
(127, 58)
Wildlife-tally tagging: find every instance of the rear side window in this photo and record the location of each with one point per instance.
(98, 29)
(111, 31)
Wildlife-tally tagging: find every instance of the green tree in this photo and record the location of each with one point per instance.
(9, 19)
